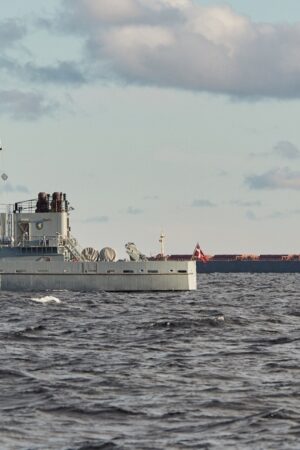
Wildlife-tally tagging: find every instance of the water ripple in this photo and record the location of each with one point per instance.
(213, 369)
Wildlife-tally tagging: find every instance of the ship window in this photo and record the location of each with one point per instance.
(141, 270)
(20, 270)
(182, 271)
(171, 270)
(111, 271)
(128, 271)
(152, 271)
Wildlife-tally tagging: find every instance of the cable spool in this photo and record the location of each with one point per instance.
(107, 254)
(134, 253)
(90, 254)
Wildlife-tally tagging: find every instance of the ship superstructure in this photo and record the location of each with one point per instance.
(39, 228)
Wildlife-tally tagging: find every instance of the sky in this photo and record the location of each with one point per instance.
(178, 116)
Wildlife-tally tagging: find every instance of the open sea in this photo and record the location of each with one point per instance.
(218, 368)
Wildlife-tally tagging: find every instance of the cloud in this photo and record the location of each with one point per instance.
(275, 215)
(181, 44)
(283, 214)
(246, 204)
(61, 72)
(9, 65)
(250, 215)
(97, 219)
(89, 14)
(134, 211)
(105, 11)
(275, 179)
(283, 149)
(64, 72)
(8, 187)
(151, 197)
(260, 154)
(287, 150)
(203, 204)
(25, 105)
(11, 31)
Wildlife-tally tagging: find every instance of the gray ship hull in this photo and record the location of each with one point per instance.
(25, 275)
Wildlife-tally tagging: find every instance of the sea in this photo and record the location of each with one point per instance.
(216, 368)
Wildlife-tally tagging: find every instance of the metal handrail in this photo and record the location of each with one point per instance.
(37, 241)
(71, 244)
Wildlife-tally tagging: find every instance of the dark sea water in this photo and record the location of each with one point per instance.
(214, 369)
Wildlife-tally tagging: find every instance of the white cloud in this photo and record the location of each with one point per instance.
(109, 10)
(177, 43)
(219, 25)
(92, 12)
(129, 44)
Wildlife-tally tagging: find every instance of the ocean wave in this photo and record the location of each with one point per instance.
(46, 299)
(213, 368)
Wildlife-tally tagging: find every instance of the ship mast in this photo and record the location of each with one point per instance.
(162, 243)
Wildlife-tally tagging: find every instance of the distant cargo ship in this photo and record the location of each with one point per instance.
(244, 263)
(238, 263)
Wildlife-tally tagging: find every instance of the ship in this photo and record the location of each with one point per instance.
(238, 263)
(235, 263)
(38, 253)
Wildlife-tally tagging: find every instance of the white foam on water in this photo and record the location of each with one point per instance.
(220, 318)
(46, 299)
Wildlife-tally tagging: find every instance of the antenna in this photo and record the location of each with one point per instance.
(162, 243)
